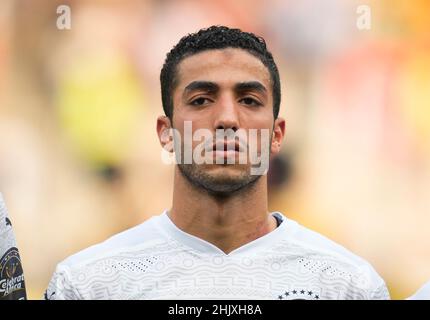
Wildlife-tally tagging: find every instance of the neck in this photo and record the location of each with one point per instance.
(227, 222)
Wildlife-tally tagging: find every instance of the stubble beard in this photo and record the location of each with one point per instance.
(220, 186)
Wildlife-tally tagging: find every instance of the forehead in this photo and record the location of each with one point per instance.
(222, 66)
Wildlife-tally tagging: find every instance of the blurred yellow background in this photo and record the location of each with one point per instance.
(79, 155)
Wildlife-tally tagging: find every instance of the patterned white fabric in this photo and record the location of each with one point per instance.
(157, 260)
(12, 286)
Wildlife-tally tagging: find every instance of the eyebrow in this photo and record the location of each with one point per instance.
(202, 85)
(212, 87)
(250, 86)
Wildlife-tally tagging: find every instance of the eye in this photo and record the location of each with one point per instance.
(199, 101)
(250, 101)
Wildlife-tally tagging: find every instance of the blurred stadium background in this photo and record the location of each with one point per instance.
(79, 157)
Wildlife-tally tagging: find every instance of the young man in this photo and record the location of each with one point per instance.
(12, 286)
(218, 240)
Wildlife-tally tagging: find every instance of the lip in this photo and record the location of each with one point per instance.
(225, 154)
(227, 146)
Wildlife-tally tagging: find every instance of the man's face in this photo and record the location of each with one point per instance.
(223, 89)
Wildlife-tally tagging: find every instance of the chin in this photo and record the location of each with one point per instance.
(227, 172)
(233, 176)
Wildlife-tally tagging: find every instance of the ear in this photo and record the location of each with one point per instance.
(164, 133)
(277, 136)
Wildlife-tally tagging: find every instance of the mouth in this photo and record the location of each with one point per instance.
(227, 146)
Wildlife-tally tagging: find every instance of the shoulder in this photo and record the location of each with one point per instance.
(317, 253)
(131, 251)
(319, 244)
(422, 294)
(144, 235)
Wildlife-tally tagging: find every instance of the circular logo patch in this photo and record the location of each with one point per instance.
(12, 285)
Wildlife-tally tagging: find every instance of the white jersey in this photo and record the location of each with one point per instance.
(422, 294)
(157, 260)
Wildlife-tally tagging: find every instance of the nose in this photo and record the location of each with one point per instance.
(226, 114)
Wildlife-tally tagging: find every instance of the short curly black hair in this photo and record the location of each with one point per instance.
(216, 37)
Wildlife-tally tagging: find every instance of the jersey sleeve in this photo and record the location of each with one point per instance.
(60, 287)
(12, 284)
(380, 293)
(422, 294)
